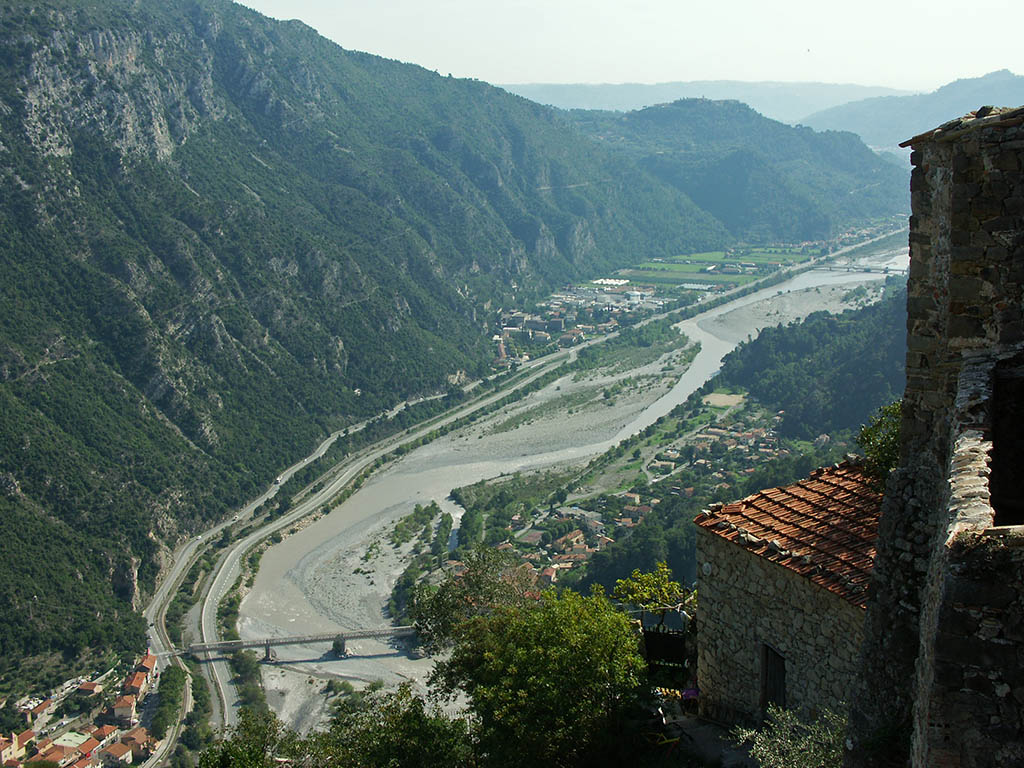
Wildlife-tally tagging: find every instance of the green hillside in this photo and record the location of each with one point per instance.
(764, 180)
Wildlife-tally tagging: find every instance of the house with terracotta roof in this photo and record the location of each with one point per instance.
(91, 688)
(140, 743)
(137, 684)
(40, 709)
(569, 540)
(124, 710)
(104, 733)
(21, 743)
(782, 577)
(117, 754)
(147, 664)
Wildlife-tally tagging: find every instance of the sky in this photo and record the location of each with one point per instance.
(909, 44)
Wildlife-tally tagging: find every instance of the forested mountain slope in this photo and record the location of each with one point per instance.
(830, 372)
(766, 181)
(222, 236)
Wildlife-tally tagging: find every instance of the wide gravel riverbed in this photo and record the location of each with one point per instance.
(320, 579)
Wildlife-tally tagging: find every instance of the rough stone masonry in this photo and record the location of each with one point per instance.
(941, 676)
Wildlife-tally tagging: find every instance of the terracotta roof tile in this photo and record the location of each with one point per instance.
(823, 527)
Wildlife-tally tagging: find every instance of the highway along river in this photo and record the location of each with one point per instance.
(336, 574)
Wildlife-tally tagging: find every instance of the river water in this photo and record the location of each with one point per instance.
(319, 578)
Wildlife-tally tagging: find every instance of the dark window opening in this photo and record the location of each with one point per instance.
(773, 678)
(1006, 484)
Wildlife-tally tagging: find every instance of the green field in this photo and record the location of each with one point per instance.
(689, 268)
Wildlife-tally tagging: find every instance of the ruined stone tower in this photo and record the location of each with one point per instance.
(941, 679)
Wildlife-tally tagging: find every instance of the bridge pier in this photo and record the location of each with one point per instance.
(269, 654)
(339, 647)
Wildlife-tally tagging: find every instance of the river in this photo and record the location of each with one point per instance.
(319, 579)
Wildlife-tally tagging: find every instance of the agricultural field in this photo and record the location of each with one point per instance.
(727, 268)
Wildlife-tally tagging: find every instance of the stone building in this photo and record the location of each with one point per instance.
(782, 580)
(941, 679)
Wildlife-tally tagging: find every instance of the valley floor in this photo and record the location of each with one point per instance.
(338, 572)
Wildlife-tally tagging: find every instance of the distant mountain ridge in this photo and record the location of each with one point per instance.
(885, 121)
(787, 102)
(763, 179)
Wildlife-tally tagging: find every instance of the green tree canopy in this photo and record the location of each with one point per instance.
(397, 729)
(549, 681)
(880, 441)
(652, 591)
(786, 741)
(490, 579)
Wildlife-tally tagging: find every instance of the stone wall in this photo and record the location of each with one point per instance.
(747, 601)
(931, 662)
(973, 714)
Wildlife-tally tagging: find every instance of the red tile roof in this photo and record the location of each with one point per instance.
(135, 682)
(824, 528)
(38, 709)
(118, 750)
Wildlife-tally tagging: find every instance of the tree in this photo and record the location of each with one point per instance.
(398, 730)
(254, 743)
(880, 441)
(549, 681)
(788, 742)
(338, 648)
(652, 591)
(490, 579)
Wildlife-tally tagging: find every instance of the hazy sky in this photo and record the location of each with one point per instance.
(914, 44)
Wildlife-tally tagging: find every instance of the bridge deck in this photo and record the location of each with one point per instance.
(235, 645)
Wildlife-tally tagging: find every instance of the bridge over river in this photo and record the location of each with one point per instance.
(230, 646)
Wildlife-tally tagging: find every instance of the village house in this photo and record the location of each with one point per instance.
(572, 539)
(104, 733)
(140, 743)
(89, 746)
(117, 754)
(21, 743)
(136, 684)
(7, 748)
(90, 688)
(124, 710)
(782, 577)
(147, 664)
